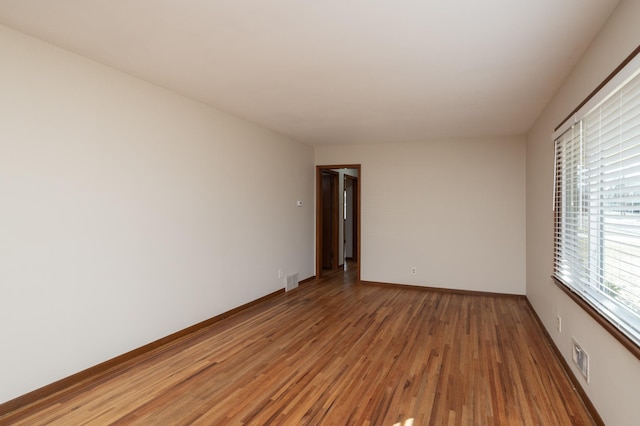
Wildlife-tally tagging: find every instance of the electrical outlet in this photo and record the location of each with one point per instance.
(581, 359)
(559, 323)
(279, 273)
(413, 270)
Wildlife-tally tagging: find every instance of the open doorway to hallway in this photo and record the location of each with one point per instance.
(338, 218)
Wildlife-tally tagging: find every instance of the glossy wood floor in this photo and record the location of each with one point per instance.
(339, 353)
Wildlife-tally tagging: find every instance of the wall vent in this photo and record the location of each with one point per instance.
(581, 359)
(292, 282)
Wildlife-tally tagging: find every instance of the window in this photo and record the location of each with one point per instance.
(597, 202)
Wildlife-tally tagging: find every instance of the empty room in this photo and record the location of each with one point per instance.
(333, 212)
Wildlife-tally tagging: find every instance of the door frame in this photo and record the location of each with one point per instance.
(357, 210)
(334, 232)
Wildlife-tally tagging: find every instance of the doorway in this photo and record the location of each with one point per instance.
(337, 217)
(350, 227)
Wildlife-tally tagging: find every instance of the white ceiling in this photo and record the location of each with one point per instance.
(337, 71)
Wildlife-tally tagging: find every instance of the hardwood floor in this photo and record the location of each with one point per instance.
(335, 352)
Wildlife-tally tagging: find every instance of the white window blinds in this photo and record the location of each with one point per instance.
(597, 204)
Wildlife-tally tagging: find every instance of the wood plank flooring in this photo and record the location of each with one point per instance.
(335, 352)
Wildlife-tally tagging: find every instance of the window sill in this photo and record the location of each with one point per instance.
(600, 319)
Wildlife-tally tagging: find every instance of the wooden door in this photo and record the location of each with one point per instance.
(329, 220)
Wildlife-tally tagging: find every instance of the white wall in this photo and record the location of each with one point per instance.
(129, 212)
(615, 373)
(454, 209)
